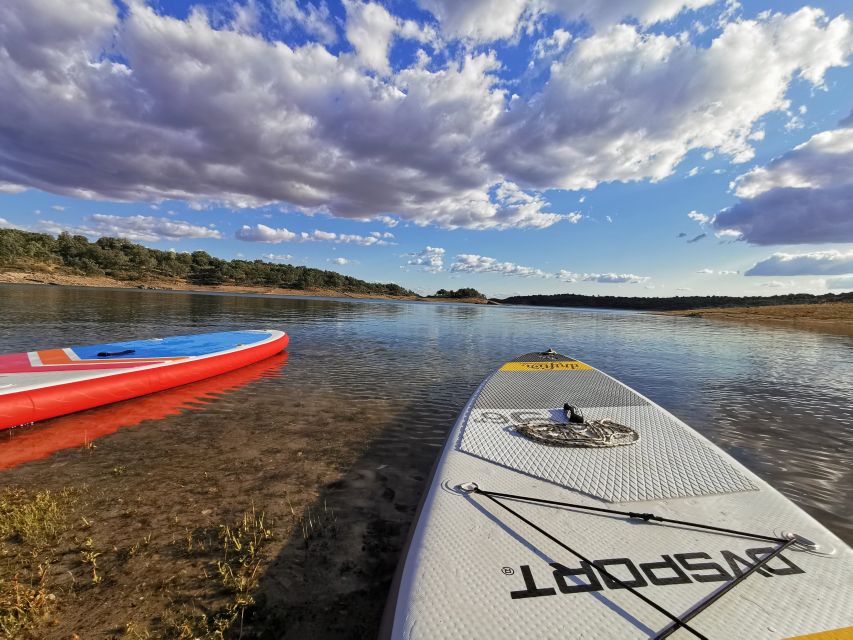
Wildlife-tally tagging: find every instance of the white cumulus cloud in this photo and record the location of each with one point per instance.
(817, 263)
(614, 278)
(468, 263)
(314, 18)
(718, 272)
(805, 196)
(489, 20)
(192, 110)
(263, 233)
(371, 29)
(431, 259)
(701, 218)
(472, 263)
(146, 228)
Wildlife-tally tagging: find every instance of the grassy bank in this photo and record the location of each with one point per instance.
(830, 317)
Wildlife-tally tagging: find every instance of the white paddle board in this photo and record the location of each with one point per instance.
(625, 523)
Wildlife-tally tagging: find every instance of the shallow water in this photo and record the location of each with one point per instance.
(779, 400)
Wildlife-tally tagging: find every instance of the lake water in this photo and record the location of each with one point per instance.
(778, 400)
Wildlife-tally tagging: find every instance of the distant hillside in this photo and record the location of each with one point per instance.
(677, 303)
(124, 260)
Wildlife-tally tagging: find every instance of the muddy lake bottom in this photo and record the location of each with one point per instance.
(274, 502)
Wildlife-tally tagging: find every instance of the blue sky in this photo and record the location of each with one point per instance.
(642, 147)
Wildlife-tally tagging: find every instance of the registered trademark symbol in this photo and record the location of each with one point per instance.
(508, 571)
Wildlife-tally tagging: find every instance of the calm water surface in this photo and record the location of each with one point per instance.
(778, 400)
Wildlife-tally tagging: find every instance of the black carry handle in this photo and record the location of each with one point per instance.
(107, 354)
(574, 414)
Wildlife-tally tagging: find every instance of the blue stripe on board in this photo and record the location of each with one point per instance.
(174, 346)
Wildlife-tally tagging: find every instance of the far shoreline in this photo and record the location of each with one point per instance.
(31, 277)
(829, 317)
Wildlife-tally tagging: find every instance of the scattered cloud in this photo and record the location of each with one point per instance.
(775, 284)
(681, 234)
(697, 238)
(718, 272)
(339, 261)
(609, 219)
(345, 238)
(818, 263)
(57, 207)
(277, 257)
(139, 228)
(694, 171)
(701, 218)
(345, 133)
(848, 121)
(5, 224)
(431, 259)
(472, 263)
(574, 218)
(388, 221)
(614, 278)
(263, 233)
(564, 275)
(552, 45)
(803, 197)
(145, 228)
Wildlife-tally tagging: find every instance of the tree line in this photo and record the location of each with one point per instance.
(465, 292)
(124, 260)
(677, 303)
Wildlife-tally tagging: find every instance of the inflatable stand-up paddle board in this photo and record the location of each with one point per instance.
(566, 505)
(38, 385)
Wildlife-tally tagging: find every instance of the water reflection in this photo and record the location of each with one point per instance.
(25, 444)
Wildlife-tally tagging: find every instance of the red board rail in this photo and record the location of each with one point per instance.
(52, 400)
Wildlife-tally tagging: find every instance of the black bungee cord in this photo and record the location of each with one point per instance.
(676, 621)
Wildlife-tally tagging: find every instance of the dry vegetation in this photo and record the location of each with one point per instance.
(832, 317)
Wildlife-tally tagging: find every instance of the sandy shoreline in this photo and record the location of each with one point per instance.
(123, 537)
(833, 317)
(104, 282)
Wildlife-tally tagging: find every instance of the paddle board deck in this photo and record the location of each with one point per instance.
(38, 385)
(520, 539)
